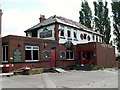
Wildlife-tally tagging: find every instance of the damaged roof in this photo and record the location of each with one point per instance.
(63, 20)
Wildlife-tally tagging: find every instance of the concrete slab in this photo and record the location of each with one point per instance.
(69, 79)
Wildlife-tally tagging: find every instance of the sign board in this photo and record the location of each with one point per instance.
(46, 33)
(17, 55)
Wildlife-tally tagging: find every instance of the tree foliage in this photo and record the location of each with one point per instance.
(102, 20)
(85, 14)
(116, 23)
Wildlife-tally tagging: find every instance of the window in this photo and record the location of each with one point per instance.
(81, 36)
(69, 54)
(46, 54)
(96, 38)
(31, 53)
(5, 53)
(75, 36)
(68, 33)
(100, 39)
(88, 38)
(93, 37)
(62, 54)
(62, 33)
(85, 36)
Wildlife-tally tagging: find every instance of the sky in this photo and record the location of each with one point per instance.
(19, 15)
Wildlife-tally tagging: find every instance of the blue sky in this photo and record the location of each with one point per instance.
(19, 15)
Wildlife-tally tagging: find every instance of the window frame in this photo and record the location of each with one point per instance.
(69, 54)
(75, 35)
(31, 48)
(5, 53)
(68, 34)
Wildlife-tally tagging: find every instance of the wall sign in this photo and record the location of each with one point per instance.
(46, 33)
(17, 55)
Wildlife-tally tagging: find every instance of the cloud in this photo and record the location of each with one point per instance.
(16, 21)
(23, 14)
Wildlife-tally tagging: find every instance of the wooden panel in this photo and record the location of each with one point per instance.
(52, 58)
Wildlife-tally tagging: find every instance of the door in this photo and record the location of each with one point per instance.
(52, 57)
(86, 57)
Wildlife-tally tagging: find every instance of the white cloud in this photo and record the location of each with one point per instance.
(16, 21)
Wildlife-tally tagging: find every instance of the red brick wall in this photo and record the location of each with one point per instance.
(105, 55)
(87, 47)
(17, 42)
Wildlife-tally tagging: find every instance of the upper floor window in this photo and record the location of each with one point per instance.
(81, 36)
(68, 33)
(89, 38)
(96, 38)
(93, 37)
(31, 53)
(62, 33)
(85, 35)
(75, 35)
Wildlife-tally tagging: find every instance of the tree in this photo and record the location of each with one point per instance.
(85, 14)
(116, 22)
(102, 20)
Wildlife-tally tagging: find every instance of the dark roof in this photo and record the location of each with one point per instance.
(62, 20)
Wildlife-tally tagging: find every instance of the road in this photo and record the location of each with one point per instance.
(69, 79)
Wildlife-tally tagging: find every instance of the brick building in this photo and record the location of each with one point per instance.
(57, 42)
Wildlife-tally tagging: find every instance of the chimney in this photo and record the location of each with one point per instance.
(42, 18)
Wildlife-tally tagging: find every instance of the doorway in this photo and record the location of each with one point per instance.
(53, 57)
(86, 57)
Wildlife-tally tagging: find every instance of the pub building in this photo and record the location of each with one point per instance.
(57, 42)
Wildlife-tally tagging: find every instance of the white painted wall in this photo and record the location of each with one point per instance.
(79, 32)
(64, 39)
(51, 27)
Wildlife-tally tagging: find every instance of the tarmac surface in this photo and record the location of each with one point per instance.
(71, 79)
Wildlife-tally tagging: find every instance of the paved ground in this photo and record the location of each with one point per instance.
(70, 79)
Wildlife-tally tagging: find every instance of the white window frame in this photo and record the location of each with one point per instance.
(68, 34)
(69, 54)
(5, 53)
(75, 34)
(30, 47)
(62, 29)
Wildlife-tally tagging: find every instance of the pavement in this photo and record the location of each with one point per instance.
(71, 79)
